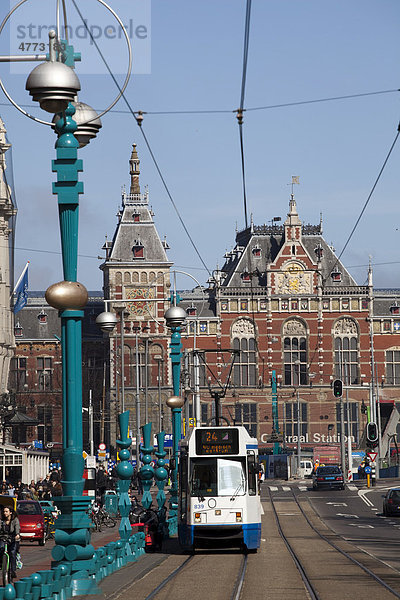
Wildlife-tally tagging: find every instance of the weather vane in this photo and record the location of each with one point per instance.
(295, 181)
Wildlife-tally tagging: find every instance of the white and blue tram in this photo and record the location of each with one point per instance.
(219, 502)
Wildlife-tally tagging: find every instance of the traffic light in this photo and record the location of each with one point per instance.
(363, 408)
(337, 388)
(372, 435)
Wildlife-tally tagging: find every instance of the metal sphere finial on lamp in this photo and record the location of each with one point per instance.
(87, 121)
(175, 402)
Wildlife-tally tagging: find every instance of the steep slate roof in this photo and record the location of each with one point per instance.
(270, 239)
(136, 226)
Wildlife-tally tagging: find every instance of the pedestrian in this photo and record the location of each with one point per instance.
(10, 534)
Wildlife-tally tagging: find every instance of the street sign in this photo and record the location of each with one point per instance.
(85, 455)
(368, 470)
(102, 447)
(372, 456)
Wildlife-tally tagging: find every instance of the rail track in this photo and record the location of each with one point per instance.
(293, 525)
(190, 569)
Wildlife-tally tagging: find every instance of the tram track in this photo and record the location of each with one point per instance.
(189, 569)
(311, 579)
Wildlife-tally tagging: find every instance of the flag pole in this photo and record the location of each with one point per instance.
(20, 278)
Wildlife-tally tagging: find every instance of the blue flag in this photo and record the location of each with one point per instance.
(22, 293)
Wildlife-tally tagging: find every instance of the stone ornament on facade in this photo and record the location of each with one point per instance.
(243, 328)
(294, 327)
(293, 280)
(140, 308)
(345, 326)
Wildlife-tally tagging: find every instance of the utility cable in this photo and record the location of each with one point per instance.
(241, 105)
(368, 199)
(230, 111)
(139, 123)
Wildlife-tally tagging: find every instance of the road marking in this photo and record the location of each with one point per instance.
(273, 488)
(286, 488)
(364, 498)
(361, 526)
(337, 503)
(353, 488)
(347, 516)
(373, 508)
(303, 488)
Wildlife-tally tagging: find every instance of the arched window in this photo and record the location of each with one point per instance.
(157, 365)
(245, 365)
(127, 277)
(118, 278)
(345, 335)
(295, 353)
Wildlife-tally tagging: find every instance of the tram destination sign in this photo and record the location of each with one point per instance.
(217, 441)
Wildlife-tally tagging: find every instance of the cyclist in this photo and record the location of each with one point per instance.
(10, 533)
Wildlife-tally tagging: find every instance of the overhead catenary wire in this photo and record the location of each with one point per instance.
(241, 105)
(368, 199)
(230, 110)
(139, 122)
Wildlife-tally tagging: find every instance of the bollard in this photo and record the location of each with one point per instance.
(373, 474)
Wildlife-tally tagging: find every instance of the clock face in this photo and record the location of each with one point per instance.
(139, 308)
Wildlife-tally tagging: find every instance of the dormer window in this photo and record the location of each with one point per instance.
(18, 330)
(191, 311)
(136, 217)
(395, 308)
(256, 251)
(336, 276)
(246, 276)
(319, 251)
(42, 317)
(138, 249)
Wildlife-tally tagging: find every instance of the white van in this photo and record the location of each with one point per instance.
(306, 468)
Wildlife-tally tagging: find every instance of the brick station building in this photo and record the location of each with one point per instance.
(282, 301)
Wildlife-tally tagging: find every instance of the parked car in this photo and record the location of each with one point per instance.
(328, 476)
(31, 519)
(306, 468)
(391, 502)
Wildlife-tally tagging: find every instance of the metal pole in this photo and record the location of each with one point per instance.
(298, 431)
(91, 424)
(196, 407)
(137, 404)
(146, 383)
(122, 362)
(160, 425)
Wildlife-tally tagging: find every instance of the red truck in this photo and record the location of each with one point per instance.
(327, 455)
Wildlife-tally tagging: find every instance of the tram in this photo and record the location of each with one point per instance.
(219, 501)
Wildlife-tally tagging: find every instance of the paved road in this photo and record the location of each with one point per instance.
(354, 513)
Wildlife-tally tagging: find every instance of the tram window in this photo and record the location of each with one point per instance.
(217, 477)
(183, 479)
(203, 481)
(252, 478)
(231, 479)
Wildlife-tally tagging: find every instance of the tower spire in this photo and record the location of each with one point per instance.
(134, 171)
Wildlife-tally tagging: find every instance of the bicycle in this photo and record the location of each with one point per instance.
(106, 519)
(6, 565)
(96, 519)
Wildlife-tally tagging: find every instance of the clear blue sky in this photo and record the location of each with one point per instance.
(299, 50)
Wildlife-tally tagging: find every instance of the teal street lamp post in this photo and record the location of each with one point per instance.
(175, 317)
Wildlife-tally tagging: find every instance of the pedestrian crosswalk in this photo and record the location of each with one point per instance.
(287, 488)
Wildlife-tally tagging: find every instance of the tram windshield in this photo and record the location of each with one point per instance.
(217, 477)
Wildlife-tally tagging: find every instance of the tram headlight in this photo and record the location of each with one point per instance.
(197, 517)
(238, 517)
(218, 512)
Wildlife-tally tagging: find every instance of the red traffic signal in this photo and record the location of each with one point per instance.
(338, 388)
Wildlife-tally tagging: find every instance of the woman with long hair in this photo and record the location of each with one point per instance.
(10, 534)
